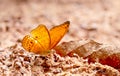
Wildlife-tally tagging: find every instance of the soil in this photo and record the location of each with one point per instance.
(89, 19)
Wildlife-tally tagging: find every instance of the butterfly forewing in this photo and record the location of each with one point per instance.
(41, 35)
(57, 32)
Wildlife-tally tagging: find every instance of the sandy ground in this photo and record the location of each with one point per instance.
(90, 19)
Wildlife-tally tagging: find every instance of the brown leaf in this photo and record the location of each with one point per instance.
(87, 48)
(93, 51)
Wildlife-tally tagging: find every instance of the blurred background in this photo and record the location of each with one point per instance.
(90, 19)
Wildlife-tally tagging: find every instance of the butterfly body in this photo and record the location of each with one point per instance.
(41, 40)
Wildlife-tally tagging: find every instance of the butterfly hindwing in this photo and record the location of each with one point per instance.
(31, 45)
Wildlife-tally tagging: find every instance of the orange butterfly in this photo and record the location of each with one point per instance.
(41, 40)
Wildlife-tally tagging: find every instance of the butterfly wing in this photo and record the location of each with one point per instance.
(57, 32)
(38, 42)
(31, 45)
(41, 35)
(41, 41)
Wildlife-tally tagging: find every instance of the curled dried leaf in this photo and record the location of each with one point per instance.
(66, 48)
(87, 48)
(92, 50)
(107, 55)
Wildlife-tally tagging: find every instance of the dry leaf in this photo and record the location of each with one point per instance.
(93, 51)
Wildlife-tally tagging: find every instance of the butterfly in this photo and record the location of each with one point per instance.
(41, 40)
